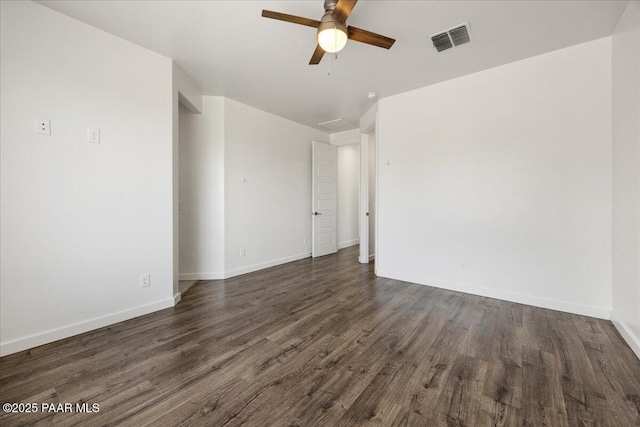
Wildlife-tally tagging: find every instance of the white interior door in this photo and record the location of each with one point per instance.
(325, 239)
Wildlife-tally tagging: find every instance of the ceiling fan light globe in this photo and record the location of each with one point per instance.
(332, 38)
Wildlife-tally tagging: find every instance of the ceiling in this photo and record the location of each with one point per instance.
(229, 49)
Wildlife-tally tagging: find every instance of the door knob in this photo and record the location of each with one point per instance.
(317, 213)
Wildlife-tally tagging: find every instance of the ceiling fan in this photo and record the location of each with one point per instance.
(332, 30)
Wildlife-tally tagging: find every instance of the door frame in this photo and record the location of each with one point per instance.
(364, 191)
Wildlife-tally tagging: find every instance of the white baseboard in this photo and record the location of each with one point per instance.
(627, 334)
(585, 310)
(366, 260)
(201, 276)
(243, 270)
(256, 267)
(82, 327)
(177, 298)
(348, 243)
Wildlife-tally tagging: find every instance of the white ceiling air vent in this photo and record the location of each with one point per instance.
(460, 34)
(338, 125)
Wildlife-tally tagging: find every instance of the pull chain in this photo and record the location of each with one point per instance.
(335, 41)
(335, 56)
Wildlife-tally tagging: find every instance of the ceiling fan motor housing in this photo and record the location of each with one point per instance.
(329, 5)
(328, 22)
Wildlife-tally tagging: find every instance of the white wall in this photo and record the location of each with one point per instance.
(189, 95)
(348, 194)
(267, 188)
(80, 222)
(348, 153)
(348, 137)
(508, 170)
(245, 182)
(369, 119)
(626, 176)
(202, 191)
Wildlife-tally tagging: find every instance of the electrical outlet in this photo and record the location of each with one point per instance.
(464, 266)
(93, 136)
(43, 127)
(304, 241)
(145, 280)
(243, 251)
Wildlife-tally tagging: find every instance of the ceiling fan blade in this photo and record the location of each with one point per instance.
(317, 56)
(364, 36)
(290, 18)
(343, 9)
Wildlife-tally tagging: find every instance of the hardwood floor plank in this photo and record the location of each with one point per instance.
(508, 338)
(431, 376)
(543, 400)
(616, 381)
(536, 329)
(503, 383)
(590, 330)
(495, 413)
(623, 351)
(461, 394)
(478, 341)
(584, 402)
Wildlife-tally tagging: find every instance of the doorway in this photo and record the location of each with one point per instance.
(368, 174)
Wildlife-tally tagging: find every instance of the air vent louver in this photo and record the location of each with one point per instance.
(441, 42)
(460, 34)
(338, 125)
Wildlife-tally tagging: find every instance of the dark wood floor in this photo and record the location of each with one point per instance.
(324, 342)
